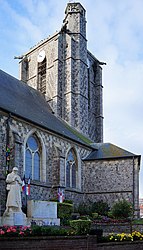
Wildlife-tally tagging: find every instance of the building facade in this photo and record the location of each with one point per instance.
(68, 75)
(51, 123)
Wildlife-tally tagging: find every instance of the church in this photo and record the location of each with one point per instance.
(51, 123)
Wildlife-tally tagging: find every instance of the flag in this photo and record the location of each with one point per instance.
(28, 187)
(24, 185)
(60, 195)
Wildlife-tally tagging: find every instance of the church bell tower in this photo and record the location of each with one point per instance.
(58, 67)
(76, 80)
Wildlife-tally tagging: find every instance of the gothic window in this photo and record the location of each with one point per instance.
(42, 76)
(71, 169)
(88, 75)
(32, 158)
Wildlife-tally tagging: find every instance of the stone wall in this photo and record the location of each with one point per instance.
(118, 228)
(136, 245)
(54, 152)
(50, 243)
(112, 180)
(95, 102)
(3, 124)
(107, 180)
(66, 243)
(73, 95)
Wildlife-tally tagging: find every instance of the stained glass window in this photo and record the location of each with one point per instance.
(42, 76)
(32, 158)
(71, 169)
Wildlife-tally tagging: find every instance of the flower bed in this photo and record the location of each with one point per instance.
(13, 231)
(115, 227)
(22, 231)
(123, 237)
(37, 237)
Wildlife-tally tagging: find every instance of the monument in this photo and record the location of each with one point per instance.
(13, 214)
(38, 212)
(42, 212)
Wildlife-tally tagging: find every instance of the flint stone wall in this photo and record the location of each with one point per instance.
(112, 180)
(53, 161)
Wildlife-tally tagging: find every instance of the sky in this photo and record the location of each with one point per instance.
(115, 36)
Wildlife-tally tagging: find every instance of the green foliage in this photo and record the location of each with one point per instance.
(110, 215)
(54, 199)
(68, 201)
(100, 207)
(64, 212)
(84, 217)
(137, 221)
(49, 230)
(84, 209)
(65, 201)
(81, 226)
(35, 230)
(94, 215)
(122, 209)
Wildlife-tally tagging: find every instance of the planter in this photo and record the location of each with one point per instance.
(49, 242)
(126, 245)
(65, 243)
(118, 227)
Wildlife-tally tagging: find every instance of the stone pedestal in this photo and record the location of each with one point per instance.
(42, 212)
(14, 219)
(43, 221)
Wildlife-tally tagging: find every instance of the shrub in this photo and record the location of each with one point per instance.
(36, 230)
(100, 207)
(122, 209)
(81, 226)
(68, 201)
(23, 231)
(84, 209)
(64, 212)
(110, 215)
(94, 215)
(49, 230)
(84, 217)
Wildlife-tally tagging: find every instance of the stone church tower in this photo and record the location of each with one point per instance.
(68, 75)
(54, 149)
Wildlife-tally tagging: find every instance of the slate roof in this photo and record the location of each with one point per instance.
(17, 98)
(109, 151)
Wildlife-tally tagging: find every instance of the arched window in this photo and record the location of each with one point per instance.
(32, 158)
(89, 87)
(42, 76)
(71, 169)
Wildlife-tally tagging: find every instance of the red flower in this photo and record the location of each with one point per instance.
(1, 232)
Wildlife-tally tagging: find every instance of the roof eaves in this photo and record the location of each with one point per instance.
(113, 158)
(48, 129)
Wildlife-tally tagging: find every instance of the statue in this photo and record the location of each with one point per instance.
(14, 187)
(13, 215)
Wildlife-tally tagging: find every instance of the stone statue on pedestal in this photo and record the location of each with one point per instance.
(13, 214)
(14, 187)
